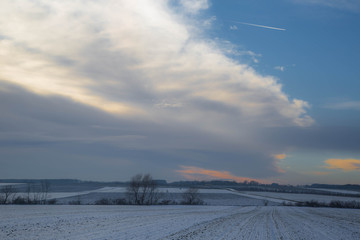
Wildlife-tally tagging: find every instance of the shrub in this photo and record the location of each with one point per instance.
(103, 201)
(75, 202)
(120, 201)
(19, 200)
(192, 197)
(168, 202)
(52, 201)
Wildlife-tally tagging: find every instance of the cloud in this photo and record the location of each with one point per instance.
(318, 173)
(136, 80)
(233, 27)
(38, 131)
(254, 56)
(315, 138)
(195, 173)
(347, 105)
(343, 164)
(232, 50)
(121, 74)
(193, 6)
(209, 22)
(280, 68)
(280, 156)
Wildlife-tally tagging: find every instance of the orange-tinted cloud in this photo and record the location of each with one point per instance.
(195, 173)
(280, 170)
(318, 173)
(343, 164)
(280, 156)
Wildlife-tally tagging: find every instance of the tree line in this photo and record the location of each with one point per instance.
(142, 189)
(35, 194)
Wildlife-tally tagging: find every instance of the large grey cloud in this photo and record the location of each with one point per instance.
(50, 136)
(316, 138)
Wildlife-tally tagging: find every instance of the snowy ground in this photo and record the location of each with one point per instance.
(123, 190)
(296, 197)
(215, 199)
(176, 222)
(336, 190)
(258, 196)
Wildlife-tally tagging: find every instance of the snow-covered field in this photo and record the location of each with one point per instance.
(295, 197)
(162, 190)
(176, 222)
(336, 190)
(58, 195)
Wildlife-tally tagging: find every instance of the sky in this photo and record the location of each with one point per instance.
(184, 90)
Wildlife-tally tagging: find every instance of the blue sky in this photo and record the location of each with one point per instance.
(318, 49)
(191, 89)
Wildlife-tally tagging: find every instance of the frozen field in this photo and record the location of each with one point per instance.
(123, 190)
(295, 197)
(218, 197)
(336, 190)
(176, 222)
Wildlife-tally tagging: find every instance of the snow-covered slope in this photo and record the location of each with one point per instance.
(176, 222)
(296, 197)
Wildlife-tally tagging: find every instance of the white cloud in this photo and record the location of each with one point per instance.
(280, 68)
(254, 56)
(193, 6)
(126, 57)
(231, 50)
(233, 27)
(208, 22)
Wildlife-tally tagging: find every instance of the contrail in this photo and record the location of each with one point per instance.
(261, 26)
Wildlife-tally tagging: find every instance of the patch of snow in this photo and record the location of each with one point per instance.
(255, 195)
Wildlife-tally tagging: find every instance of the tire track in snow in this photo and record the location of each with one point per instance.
(177, 222)
(272, 223)
(241, 225)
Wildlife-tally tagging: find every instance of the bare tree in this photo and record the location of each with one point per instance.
(38, 193)
(153, 192)
(133, 190)
(28, 191)
(6, 192)
(192, 197)
(142, 190)
(44, 191)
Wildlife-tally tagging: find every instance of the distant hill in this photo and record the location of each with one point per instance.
(353, 187)
(73, 185)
